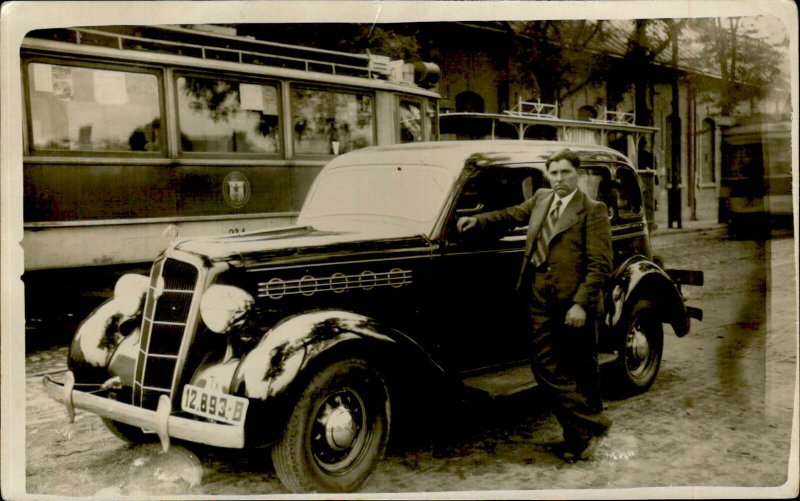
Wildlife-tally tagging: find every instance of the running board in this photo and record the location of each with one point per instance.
(513, 380)
(503, 383)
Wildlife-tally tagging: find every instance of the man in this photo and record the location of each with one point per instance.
(567, 260)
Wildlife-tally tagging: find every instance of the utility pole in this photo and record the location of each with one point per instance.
(674, 194)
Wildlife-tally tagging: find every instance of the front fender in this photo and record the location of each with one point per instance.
(113, 324)
(270, 368)
(639, 278)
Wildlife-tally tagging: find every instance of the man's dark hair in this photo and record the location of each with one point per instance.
(565, 154)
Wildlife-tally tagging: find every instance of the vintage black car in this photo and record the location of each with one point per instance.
(305, 338)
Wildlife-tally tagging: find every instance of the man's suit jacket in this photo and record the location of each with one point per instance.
(579, 256)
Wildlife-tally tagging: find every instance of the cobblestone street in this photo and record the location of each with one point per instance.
(719, 414)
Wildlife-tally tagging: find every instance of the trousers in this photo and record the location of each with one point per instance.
(565, 365)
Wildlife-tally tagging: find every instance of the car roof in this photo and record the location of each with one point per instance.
(482, 153)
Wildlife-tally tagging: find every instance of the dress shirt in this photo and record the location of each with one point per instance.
(564, 201)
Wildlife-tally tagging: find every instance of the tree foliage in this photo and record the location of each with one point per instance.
(566, 56)
(547, 51)
(558, 58)
(746, 61)
(396, 41)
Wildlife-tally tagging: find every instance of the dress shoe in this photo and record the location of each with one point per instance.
(572, 451)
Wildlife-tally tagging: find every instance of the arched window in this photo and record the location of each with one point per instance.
(706, 151)
(469, 101)
(587, 112)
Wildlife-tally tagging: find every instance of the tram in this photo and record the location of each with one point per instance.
(756, 181)
(137, 135)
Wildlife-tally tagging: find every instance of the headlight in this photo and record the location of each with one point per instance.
(223, 306)
(128, 293)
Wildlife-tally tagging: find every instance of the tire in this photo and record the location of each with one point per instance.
(128, 433)
(337, 431)
(640, 344)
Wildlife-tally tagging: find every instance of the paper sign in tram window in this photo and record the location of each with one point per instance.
(43, 78)
(110, 87)
(251, 97)
(62, 82)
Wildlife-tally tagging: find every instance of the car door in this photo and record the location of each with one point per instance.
(485, 323)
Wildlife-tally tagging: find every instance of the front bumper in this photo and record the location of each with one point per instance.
(161, 421)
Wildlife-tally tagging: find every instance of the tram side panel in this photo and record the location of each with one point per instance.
(88, 215)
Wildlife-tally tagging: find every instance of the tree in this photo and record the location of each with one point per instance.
(647, 41)
(746, 61)
(566, 56)
(396, 41)
(547, 51)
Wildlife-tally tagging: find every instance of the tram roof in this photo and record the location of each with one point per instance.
(195, 48)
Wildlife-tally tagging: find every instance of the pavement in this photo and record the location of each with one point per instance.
(687, 227)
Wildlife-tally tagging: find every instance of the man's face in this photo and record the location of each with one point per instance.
(563, 177)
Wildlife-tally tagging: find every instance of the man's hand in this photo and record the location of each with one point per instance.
(466, 223)
(576, 316)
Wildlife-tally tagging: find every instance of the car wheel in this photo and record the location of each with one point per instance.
(337, 431)
(641, 341)
(128, 433)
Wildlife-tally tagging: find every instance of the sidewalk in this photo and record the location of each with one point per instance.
(687, 227)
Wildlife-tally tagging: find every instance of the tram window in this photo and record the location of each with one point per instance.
(410, 122)
(86, 109)
(327, 122)
(227, 116)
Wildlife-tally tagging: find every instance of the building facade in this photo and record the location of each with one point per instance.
(482, 72)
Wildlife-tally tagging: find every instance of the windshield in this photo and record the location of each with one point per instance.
(367, 195)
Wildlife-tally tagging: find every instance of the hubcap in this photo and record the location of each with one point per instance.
(339, 432)
(639, 345)
(639, 351)
(340, 429)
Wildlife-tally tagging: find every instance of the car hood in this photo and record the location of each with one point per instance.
(298, 243)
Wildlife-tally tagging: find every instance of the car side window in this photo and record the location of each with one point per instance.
(596, 183)
(470, 201)
(592, 183)
(497, 188)
(626, 193)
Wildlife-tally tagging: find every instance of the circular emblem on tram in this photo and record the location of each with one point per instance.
(236, 189)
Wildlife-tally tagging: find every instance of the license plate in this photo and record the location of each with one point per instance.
(214, 404)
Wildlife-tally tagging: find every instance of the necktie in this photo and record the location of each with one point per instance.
(542, 242)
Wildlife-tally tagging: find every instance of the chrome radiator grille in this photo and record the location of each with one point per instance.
(164, 326)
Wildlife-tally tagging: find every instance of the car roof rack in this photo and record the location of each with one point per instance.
(612, 117)
(530, 109)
